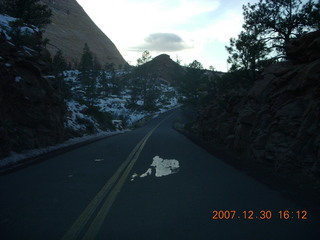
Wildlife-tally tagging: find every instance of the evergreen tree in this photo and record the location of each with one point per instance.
(248, 53)
(146, 57)
(135, 86)
(312, 10)
(269, 26)
(192, 82)
(145, 83)
(150, 93)
(29, 11)
(104, 83)
(86, 62)
(95, 74)
(115, 89)
(96, 64)
(87, 77)
(277, 22)
(60, 65)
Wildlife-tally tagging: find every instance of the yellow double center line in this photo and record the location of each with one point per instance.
(124, 169)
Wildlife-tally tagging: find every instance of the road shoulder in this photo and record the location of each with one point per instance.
(298, 190)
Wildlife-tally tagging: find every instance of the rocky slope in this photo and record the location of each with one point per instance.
(164, 67)
(31, 109)
(276, 122)
(71, 28)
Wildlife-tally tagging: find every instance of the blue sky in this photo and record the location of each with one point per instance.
(187, 29)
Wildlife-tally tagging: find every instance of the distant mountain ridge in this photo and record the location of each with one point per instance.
(71, 28)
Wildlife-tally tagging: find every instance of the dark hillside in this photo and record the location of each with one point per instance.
(31, 107)
(165, 68)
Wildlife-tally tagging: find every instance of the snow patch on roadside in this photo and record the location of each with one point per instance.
(164, 167)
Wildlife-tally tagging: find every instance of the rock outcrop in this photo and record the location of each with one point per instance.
(71, 28)
(277, 121)
(31, 108)
(165, 68)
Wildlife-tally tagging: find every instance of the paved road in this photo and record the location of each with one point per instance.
(89, 193)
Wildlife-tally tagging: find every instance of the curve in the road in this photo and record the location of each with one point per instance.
(108, 192)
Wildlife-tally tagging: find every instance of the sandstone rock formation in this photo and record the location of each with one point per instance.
(71, 28)
(31, 109)
(165, 68)
(276, 122)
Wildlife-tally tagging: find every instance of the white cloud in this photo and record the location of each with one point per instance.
(147, 24)
(162, 42)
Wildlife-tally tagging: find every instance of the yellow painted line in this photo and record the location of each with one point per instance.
(97, 222)
(82, 220)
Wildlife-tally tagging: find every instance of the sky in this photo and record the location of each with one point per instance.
(184, 29)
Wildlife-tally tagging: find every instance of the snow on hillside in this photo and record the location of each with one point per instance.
(5, 20)
(105, 114)
(5, 27)
(78, 120)
(76, 112)
(114, 104)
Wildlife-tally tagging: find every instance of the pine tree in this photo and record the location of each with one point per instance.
(104, 83)
(150, 93)
(269, 26)
(86, 62)
(277, 22)
(145, 84)
(248, 53)
(87, 77)
(29, 11)
(191, 83)
(59, 65)
(114, 80)
(146, 57)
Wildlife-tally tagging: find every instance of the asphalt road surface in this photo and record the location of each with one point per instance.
(150, 183)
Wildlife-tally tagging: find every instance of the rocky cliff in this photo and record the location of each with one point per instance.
(31, 108)
(276, 122)
(71, 28)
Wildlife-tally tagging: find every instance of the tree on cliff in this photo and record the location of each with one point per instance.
(269, 26)
(277, 22)
(146, 57)
(248, 53)
(313, 10)
(29, 11)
